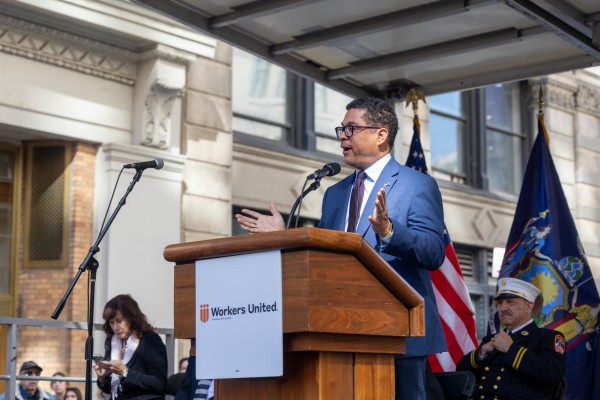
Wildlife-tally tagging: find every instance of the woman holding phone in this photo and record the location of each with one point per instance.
(135, 365)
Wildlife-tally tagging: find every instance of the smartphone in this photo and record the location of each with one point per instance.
(97, 358)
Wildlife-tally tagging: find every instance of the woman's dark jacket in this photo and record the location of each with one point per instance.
(147, 375)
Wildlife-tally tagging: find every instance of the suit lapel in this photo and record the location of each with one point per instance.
(387, 180)
(341, 203)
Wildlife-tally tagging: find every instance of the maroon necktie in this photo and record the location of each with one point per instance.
(356, 198)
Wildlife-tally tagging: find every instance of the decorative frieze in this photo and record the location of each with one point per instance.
(51, 46)
(560, 97)
(588, 99)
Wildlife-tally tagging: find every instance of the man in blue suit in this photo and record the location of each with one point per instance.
(401, 217)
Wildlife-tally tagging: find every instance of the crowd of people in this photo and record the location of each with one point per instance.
(399, 213)
(30, 389)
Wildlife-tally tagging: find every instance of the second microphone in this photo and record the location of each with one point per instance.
(330, 169)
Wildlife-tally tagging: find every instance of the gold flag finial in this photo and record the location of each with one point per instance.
(413, 96)
(540, 115)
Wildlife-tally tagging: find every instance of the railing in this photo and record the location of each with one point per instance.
(13, 325)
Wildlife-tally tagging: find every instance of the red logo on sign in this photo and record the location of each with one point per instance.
(203, 312)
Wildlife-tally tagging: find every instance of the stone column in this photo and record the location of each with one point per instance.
(587, 166)
(208, 145)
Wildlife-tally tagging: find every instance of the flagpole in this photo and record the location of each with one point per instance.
(413, 96)
(541, 114)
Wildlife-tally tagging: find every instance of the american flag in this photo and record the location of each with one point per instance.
(451, 293)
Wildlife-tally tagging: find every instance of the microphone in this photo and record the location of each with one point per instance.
(156, 164)
(330, 169)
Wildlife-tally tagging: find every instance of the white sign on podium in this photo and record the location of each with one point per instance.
(239, 325)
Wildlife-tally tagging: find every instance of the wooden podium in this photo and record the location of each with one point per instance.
(346, 312)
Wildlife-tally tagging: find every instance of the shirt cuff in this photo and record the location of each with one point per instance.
(386, 238)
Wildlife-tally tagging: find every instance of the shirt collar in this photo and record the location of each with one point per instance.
(518, 328)
(25, 394)
(375, 169)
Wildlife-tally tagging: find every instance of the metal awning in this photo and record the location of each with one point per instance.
(384, 47)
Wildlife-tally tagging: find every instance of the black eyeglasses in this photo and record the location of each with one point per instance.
(349, 130)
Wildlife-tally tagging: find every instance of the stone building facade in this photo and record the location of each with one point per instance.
(109, 83)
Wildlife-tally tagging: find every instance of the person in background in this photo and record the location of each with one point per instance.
(183, 364)
(135, 364)
(73, 393)
(190, 388)
(174, 381)
(30, 389)
(522, 361)
(59, 387)
(397, 210)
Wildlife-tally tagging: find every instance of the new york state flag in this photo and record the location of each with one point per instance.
(544, 248)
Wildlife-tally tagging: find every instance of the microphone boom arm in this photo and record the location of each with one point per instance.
(313, 186)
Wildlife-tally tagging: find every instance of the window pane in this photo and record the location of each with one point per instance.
(4, 264)
(5, 220)
(502, 106)
(504, 162)
(448, 103)
(266, 131)
(7, 164)
(259, 91)
(447, 149)
(330, 108)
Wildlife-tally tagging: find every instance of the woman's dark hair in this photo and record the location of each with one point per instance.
(378, 113)
(74, 390)
(130, 310)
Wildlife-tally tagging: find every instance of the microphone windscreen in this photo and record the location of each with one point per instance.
(335, 168)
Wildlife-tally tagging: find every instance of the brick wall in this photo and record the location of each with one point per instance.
(40, 289)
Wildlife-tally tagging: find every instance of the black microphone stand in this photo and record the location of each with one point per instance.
(91, 264)
(313, 186)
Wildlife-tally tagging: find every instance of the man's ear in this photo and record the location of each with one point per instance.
(382, 136)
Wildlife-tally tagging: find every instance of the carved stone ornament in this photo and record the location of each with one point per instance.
(51, 46)
(588, 100)
(560, 98)
(158, 108)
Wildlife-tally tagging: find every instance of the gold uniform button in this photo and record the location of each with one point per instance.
(502, 369)
(482, 397)
(480, 387)
(498, 378)
(487, 368)
(495, 386)
(483, 378)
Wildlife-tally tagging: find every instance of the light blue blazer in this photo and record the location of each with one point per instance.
(415, 208)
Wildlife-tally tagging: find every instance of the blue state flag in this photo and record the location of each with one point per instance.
(544, 248)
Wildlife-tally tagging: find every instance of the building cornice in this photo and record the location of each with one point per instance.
(169, 54)
(58, 48)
